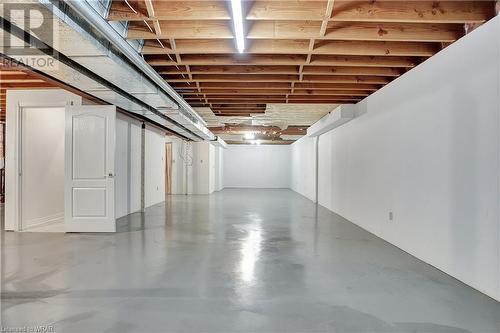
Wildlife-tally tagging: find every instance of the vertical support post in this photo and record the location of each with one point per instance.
(143, 164)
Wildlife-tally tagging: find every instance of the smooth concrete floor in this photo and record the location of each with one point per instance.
(235, 261)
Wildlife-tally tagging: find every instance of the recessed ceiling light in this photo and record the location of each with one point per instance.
(238, 25)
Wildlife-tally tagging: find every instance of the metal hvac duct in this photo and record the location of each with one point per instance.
(100, 24)
(87, 60)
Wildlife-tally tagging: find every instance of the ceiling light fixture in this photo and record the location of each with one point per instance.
(238, 24)
(249, 136)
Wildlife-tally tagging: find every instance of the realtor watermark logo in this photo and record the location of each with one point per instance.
(30, 34)
(28, 329)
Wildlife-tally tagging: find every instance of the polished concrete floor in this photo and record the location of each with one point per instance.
(236, 261)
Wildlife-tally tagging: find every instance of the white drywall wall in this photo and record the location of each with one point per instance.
(200, 175)
(179, 160)
(154, 182)
(303, 167)
(220, 169)
(211, 165)
(127, 166)
(219, 155)
(257, 166)
(427, 148)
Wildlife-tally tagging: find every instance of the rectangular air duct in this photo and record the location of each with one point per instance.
(333, 119)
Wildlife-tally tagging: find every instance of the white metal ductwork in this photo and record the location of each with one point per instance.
(95, 63)
(102, 26)
(334, 119)
(219, 143)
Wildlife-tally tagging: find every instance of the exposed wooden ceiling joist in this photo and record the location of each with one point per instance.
(297, 51)
(408, 32)
(298, 46)
(268, 59)
(374, 11)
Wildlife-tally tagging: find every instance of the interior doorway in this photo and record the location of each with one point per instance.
(168, 168)
(41, 148)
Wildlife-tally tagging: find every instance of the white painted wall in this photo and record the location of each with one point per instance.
(178, 165)
(303, 165)
(427, 148)
(154, 182)
(257, 166)
(127, 166)
(204, 168)
(219, 168)
(211, 165)
(17, 100)
(199, 171)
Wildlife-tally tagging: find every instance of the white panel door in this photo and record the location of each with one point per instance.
(89, 169)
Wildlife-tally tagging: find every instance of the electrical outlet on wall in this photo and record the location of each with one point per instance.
(391, 216)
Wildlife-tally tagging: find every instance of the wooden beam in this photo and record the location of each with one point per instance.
(235, 78)
(370, 48)
(327, 70)
(281, 78)
(289, 59)
(302, 92)
(236, 111)
(245, 102)
(409, 32)
(229, 103)
(208, 86)
(152, 15)
(209, 92)
(255, 98)
(183, 30)
(324, 101)
(287, 10)
(239, 85)
(217, 59)
(26, 85)
(237, 108)
(236, 69)
(173, 11)
(328, 15)
(330, 86)
(339, 70)
(364, 61)
(220, 29)
(150, 8)
(323, 97)
(413, 11)
(346, 79)
(375, 11)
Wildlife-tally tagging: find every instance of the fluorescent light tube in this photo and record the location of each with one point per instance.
(238, 25)
(249, 136)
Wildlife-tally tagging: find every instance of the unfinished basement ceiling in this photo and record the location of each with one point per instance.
(16, 77)
(318, 53)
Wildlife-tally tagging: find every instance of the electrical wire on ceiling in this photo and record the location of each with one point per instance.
(161, 44)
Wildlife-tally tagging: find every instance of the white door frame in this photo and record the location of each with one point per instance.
(16, 102)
